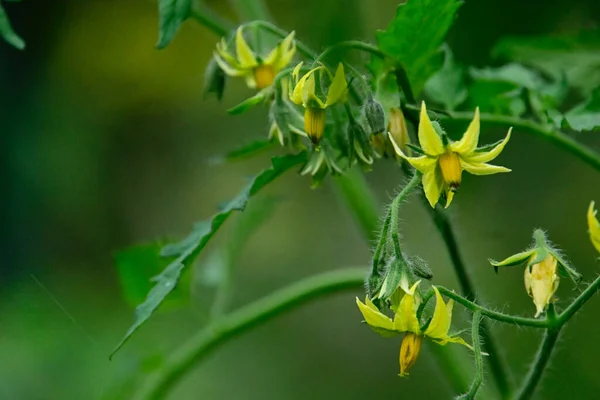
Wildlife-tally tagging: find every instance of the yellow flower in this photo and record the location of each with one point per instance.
(543, 263)
(304, 93)
(259, 73)
(406, 321)
(443, 161)
(593, 226)
(541, 281)
(398, 132)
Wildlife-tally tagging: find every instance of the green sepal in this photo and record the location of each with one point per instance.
(396, 270)
(214, 80)
(514, 260)
(564, 267)
(250, 102)
(416, 149)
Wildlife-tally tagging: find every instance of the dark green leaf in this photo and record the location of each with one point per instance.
(447, 86)
(7, 32)
(415, 35)
(585, 116)
(496, 97)
(214, 79)
(577, 56)
(171, 14)
(513, 73)
(247, 104)
(188, 249)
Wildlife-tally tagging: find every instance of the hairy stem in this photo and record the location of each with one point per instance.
(542, 357)
(476, 340)
(495, 315)
(395, 210)
(497, 364)
(240, 321)
(587, 294)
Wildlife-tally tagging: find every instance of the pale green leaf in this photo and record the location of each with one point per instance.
(188, 249)
(576, 55)
(171, 14)
(7, 32)
(415, 35)
(585, 116)
(447, 86)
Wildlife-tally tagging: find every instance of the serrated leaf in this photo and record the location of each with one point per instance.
(415, 35)
(136, 266)
(7, 32)
(171, 14)
(447, 86)
(585, 116)
(576, 55)
(188, 249)
(250, 102)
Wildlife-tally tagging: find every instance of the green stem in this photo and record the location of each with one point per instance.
(354, 190)
(476, 340)
(395, 210)
(542, 357)
(269, 27)
(207, 18)
(496, 361)
(383, 236)
(587, 294)
(250, 10)
(242, 320)
(498, 316)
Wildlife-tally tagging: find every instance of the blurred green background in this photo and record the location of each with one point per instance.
(105, 142)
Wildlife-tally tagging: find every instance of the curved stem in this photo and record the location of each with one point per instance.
(269, 27)
(587, 294)
(352, 44)
(395, 209)
(205, 17)
(542, 358)
(240, 321)
(495, 315)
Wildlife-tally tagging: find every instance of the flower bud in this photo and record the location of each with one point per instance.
(541, 281)
(409, 351)
(375, 115)
(398, 130)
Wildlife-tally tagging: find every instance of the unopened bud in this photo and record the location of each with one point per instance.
(398, 130)
(375, 115)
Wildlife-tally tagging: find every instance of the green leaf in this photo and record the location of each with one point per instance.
(136, 266)
(415, 35)
(585, 116)
(447, 86)
(171, 14)
(576, 55)
(245, 151)
(247, 104)
(7, 31)
(188, 249)
(496, 97)
(513, 73)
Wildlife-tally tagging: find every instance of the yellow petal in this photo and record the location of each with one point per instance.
(593, 226)
(423, 164)
(405, 319)
(468, 143)
(449, 197)
(225, 54)
(338, 88)
(430, 141)
(379, 322)
(442, 316)
(288, 49)
(486, 156)
(228, 68)
(433, 184)
(243, 51)
(482, 168)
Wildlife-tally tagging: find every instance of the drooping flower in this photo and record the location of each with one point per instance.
(443, 160)
(406, 321)
(543, 264)
(258, 72)
(593, 226)
(305, 93)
